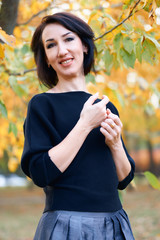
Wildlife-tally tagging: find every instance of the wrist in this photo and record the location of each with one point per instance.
(84, 126)
(116, 146)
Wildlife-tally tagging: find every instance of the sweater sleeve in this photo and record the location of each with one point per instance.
(40, 136)
(124, 183)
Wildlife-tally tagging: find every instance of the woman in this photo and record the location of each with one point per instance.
(73, 146)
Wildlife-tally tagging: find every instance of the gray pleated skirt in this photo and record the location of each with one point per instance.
(69, 225)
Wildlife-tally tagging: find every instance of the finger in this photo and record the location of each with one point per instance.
(108, 111)
(104, 101)
(108, 136)
(114, 117)
(104, 132)
(110, 126)
(92, 99)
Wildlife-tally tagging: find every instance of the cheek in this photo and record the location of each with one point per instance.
(50, 55)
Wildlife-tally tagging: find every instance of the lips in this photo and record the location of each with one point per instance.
(66, 61)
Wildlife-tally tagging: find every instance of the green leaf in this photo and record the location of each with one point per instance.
(152, 39)
(90, 78)
(117, 45)
(110, 17)
(100, 45)
(149, 110)
(158, 3)
(152, 179)
(128, 44)
(117, 42)
(125, 6)
(19, 89)
(155, 90)
(129, 59)
(108, 59)
(128, 27)
(138, 46)
(12, 128)
(119, 97)
(3, 109)
(25, 49)
(149, 51)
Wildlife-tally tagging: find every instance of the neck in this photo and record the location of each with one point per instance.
(75, 84)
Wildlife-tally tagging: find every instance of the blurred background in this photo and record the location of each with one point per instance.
(127, 70)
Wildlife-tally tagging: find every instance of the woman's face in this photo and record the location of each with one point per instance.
(64, 50)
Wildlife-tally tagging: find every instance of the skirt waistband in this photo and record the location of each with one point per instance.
(87, 214)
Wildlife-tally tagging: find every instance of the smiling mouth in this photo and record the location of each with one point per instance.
(66, 61)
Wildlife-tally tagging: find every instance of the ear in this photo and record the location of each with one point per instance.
(85, 49)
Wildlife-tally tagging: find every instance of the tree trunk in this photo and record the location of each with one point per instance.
(8, 15)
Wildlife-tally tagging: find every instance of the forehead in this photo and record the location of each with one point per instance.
(54, 30)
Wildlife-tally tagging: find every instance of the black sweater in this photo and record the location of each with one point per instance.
(90, 183)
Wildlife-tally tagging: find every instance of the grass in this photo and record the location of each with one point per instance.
(21, 209)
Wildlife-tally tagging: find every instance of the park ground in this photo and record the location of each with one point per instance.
(21, 208)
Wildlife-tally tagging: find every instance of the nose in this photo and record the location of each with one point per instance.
(62, 50)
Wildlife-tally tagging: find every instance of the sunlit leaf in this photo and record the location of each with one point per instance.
(3, 109)
(119, 97)
(128, 44)
(149, 110)
(25, 49)
(152, 179)
(156, 43)
(19, 89)
(149, 51)
(129, 59)
(90, 78)
(148, 5)
(138, 48)
(127, 3)
(110, 17)
(13, 128)
(117, 41)
(108, 59)
(158, 3)
(1, 51)
(13, 164)
(8, 39)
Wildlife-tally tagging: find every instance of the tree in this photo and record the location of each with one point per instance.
(127, 64)
(8, 15)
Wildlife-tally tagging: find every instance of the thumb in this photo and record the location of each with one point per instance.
(108, 111)
(92, 99)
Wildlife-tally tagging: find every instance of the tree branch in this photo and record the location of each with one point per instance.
(22, 73)
(119, 24)
(49, 7)
(35, 15)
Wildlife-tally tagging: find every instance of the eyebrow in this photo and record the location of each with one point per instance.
(52, 39)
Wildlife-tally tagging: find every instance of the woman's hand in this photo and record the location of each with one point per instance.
(111, 128)
(93, 114)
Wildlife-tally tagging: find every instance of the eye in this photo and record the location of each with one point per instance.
(51, 45)
(69, 39)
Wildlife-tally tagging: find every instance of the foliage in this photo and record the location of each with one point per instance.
(127, 64)
(153, 180)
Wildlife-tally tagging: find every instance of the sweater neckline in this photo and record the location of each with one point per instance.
(68, 92)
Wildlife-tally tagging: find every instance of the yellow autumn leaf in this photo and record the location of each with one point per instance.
(1, 51)
(12, 164)
(8, 39)
(92, 88)
(37, 6)
(17, 32)
(29, 62)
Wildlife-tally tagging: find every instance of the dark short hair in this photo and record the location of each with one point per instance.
(47, 75)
